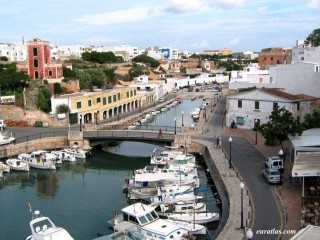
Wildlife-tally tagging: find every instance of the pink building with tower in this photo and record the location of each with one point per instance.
(38, 65)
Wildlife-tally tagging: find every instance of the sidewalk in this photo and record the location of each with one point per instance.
(290, 192)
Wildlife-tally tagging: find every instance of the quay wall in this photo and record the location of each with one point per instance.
(33, 145)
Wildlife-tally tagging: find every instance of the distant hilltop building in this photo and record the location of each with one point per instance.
(223, 52)
(169, 53)
(274, 56)
(38, 64)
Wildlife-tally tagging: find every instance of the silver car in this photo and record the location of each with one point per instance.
(272, 175)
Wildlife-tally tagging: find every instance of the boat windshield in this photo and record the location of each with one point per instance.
(143, 220)
(149, 217)
(41, 225)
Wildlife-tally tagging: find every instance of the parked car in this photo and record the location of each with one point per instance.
(271, 175)
(274, 162)
(161, 100)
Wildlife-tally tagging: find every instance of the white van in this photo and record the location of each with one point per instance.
(274, 162)
(2, 125)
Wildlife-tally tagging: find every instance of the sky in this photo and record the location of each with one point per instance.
(188, 25)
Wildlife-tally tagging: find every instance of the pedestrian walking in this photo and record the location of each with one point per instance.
(160, 133)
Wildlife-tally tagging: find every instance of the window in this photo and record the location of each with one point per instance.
(89, 102)
(78, 104)
(271, 79)
(302, 58)
(298, 120)
(114, 98)
(275, 106)
(35, 63)
(240, 120)
(239, 103)
(260, 80)
(134, 92)
(50, 73)
(298, 106)
(271, 58)
(127, 94)
(104, 101)
(256, 105)
(98, 100)
(317, 68)
(35, 51)
(131, 93)
(118, 96)
(109, 99)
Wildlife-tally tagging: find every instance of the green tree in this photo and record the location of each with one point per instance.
(63, 108)
(279, 127)
(57, 88)
(4, 58)
(314, 38)
(42, 102)
(136, 71)
(312, 120)
(149, 61)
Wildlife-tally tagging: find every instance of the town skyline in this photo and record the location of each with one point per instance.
(187, 25)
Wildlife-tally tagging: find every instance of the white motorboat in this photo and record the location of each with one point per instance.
(17, 164)
(195, 229)
(180, 207)
(195, 112)
(42, 228)
(4, 167)
(195, 217)
(64, 156)
(77, 152)
(6, 138)
(146, 221)
(39, 159)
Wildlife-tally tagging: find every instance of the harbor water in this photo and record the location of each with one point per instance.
(80, 197)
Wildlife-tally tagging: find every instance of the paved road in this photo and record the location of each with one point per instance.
(249, 162)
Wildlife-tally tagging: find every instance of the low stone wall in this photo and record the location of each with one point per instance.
(33, 145)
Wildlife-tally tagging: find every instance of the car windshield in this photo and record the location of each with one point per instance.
(274, 173)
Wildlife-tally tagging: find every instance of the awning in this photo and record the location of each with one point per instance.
(306, 164)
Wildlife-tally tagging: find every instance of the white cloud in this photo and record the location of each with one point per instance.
(229, 3)
(115, 17)
(203, 44)
(263, 9)
(185, 5)
(313, 4)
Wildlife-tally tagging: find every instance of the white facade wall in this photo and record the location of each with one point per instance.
(155, 54)
(14, 51)
(297, 78)
(306, 54)
(56, 102)
(248, 111)
(74, 51)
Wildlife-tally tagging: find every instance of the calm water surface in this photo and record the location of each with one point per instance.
(80, 197)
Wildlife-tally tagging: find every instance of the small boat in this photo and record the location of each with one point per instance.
(39, 159)
(77, 152)
(1, 173)
(17, 164)
(195, 217)
(195, 229)
(4, 167)
(64, 156)
(146, 221)
(42, 228)
(6, 138)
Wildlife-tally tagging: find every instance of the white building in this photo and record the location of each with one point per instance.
(169, 53)
(245, 107)
(250, 55)
(67, 51)
(155, 53)
(301, 53)
(301, 77)
(15, 52)
(154, 89)
(250, 76)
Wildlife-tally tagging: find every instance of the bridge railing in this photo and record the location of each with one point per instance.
(42, 135)
(139, 127)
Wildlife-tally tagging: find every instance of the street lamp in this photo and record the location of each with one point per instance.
(175, 125)
(80, 123)
(241, 188)
(249, 234)
(182, 119)
(230, 141)
(256, 129)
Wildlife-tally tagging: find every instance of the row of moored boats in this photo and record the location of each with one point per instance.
(42, 159)
(167, 200)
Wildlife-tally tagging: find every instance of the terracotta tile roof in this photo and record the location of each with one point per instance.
(291, 97)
